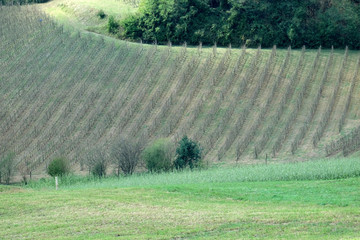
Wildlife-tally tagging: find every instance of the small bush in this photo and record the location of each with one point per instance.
(113, 25)
(101, 14)
(58, 167)
(7, 166)
(188, 154)
(97, 160)
(24, 169)
(158, 157)
(125, 153)
(99, 169)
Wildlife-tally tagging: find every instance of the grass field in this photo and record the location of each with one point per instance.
(192, 205)
(82, 14)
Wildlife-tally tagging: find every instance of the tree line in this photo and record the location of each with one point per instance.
(250, 22)
(125, 154)
(21, 2)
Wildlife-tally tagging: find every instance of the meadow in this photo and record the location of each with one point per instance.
(286, 201)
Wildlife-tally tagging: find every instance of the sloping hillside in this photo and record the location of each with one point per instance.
(62, 93)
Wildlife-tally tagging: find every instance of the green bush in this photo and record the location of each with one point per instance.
(158, 157)
(99, 169)
(188, 153)
(58, 167)
(113, 25)
(101, 14)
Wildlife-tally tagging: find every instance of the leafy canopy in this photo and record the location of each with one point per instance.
(58, 167)
(267, 22)
(158, 156)
(188, 153)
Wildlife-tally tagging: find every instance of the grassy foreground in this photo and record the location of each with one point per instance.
(167, 207)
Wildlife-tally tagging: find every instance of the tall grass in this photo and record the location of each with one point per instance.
(323, 169)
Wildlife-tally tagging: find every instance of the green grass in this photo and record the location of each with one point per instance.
(210, 204)
(82, 14)
(326, 169)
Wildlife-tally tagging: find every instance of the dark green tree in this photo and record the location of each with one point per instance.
(113, 25)
(188, 153)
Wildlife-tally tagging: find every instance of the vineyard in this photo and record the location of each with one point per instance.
(63, 92)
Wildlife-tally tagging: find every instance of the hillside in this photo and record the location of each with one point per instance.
(83, 14)
(63, 92)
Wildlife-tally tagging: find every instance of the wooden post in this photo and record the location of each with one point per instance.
(266, 159)
(56, 183)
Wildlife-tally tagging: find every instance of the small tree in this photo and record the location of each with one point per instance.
(99, 169)
(25, 168)
(188, 153)
(97, 161)
(126, 154)
(58, 167)
(113, 25)
(7, 166)
(159, 156)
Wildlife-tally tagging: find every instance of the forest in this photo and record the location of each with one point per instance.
(312, 23)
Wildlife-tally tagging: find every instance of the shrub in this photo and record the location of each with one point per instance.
(158, 157)
(58, 167)
(113, 25)
(97, 161)
(126, 154)
(7, 167)
(99, 169)
(188, 153)
(24, 169)
(101, 14)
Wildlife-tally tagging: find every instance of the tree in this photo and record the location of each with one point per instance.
(113, 25)
(188, 154)
(126, 154)
(158, 156)
(58, 167)
(25, 168)
(266, 23)
(7, 167)
(97, 161)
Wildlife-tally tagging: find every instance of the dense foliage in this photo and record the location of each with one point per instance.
(21, 2)
(58, 167)
(251, 22)
(158, 156)
(113, 25)
(188, 153)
